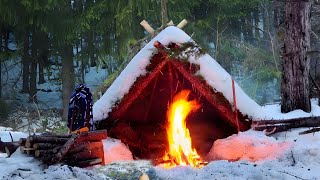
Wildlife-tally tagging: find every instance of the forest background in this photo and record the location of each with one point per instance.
(60, 41)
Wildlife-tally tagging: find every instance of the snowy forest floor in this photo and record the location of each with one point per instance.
(247, 155)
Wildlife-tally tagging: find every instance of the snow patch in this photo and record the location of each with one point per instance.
(251, 146)
(115, 150)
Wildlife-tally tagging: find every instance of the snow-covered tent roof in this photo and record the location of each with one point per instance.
(214, 75)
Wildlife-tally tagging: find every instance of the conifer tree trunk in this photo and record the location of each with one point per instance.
(1, 50)
(43, 59)
(91, 40)
(68, 78)
(25, 63)
(41, 74)
(296, 64)
(6, 39)
(33, 70)
(164, 14)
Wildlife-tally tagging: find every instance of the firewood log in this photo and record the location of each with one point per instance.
(46, 139)
(9, 147)
(45, 145)
(82, 137)
(47, 159)
(39, 153)
(56, 135)
(28, 143)
(22, 141)
(56, 149)
(89, 162)
(87, 154)
(85, 146)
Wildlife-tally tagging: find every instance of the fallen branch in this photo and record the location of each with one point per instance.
(313, 130)
(274, 126)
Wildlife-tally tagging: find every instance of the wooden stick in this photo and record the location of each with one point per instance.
(147, 27)
(90, 162)
(235, 104)
(182, 23)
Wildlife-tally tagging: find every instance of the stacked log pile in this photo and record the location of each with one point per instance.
(84, 149)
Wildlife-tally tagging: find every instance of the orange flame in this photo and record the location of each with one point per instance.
(180, 144)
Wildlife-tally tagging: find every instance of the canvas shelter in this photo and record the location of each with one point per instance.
(134, 107)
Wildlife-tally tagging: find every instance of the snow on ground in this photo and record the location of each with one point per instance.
(273, 111)
(251, 155)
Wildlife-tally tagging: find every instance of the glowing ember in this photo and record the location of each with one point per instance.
(180, 145)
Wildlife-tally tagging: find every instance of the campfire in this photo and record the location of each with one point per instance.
(180, 150)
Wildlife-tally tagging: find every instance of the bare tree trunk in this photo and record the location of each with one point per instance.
(68, 77)
(25, 63)
(41, 74)
(164, 14)
(1, 50)
(43, 56)
(6, 39)
(33, 70)
(296, 64)
(91, 40)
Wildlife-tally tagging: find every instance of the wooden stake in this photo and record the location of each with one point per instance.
(235, 103)
(170, 23)
(182, 23)
(147, 27)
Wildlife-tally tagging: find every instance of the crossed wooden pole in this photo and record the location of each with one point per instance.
(150, 30)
